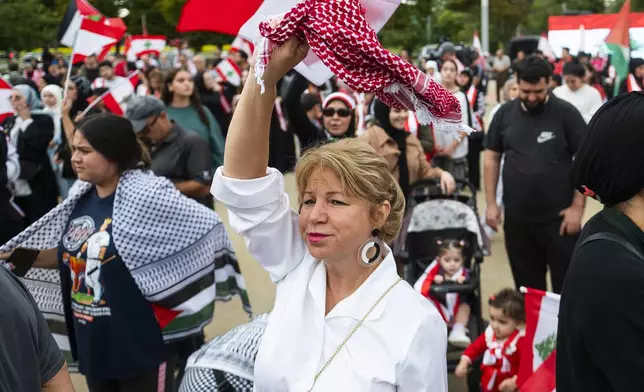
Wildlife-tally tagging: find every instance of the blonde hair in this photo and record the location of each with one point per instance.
(362, 173)
(508, 85)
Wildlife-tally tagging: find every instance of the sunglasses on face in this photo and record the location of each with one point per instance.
(330, 112)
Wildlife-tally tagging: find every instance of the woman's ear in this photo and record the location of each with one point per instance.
(382, 213)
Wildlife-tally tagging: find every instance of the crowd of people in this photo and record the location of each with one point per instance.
(109, 219)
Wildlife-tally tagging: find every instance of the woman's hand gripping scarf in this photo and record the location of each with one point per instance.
(339, 34)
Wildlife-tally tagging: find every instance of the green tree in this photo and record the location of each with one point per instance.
(26, 24)
(407, 27)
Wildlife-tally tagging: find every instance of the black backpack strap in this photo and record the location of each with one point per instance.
(612, 238)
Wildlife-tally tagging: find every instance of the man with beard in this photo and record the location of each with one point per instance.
(539, 135)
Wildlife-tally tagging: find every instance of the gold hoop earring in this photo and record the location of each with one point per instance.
(371, 250)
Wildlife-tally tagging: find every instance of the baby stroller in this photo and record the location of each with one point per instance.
(432, 215)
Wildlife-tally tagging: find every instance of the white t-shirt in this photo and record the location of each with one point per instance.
(400, 347)
(443, 140)
(587, 99)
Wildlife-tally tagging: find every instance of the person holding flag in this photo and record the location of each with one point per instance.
(600, 336)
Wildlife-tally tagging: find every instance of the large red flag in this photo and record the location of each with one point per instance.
(232, 17)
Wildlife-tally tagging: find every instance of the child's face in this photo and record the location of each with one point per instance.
(502, 325)
(451, 261)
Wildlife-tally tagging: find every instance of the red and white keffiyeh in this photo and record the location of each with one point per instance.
(338, 33)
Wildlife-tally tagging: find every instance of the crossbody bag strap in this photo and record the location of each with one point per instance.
(612, 238)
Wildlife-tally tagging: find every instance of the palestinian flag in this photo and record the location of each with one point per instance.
(5, 105)
(93, 38)
(229, 71)
(538, 358)
(116, 98)
(76, 11)
(618, 43)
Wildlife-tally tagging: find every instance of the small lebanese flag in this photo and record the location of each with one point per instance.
(538, 358)
(5, 104)
(229, 71)
(93, 37)
(139, 45)
(241, 44)
(116, 99)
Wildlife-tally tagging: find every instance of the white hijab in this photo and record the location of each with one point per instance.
(54, 111)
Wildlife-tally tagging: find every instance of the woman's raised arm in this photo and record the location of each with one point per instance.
(246, 153)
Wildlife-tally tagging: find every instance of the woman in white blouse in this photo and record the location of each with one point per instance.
(343, 320)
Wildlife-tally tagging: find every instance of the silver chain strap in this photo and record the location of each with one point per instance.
(353, 331)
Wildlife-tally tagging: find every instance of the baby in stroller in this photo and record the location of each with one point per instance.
(455, 308)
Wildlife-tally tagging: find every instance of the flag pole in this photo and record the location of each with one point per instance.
(95, 102)
(100, 98)
(71, 65)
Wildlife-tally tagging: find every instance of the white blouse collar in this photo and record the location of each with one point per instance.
(357, 304)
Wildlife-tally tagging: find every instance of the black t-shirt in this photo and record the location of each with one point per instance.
(29, 355)
(116, 333)
(183, 156)
(600, 337)
(538, 152)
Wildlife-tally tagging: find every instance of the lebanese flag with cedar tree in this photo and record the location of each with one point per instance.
(93, 38)
(539, 356)
(228, 70)
(116, 98)
(5, 104)
(139, 45)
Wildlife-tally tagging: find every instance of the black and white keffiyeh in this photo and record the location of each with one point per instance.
(227, 362)
(177, 251)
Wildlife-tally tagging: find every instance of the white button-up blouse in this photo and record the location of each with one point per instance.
(400, 347)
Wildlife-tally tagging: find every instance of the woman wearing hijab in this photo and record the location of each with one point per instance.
(401, 149)
(600, 335)
(404, 154)
(30, 131)
(52, 99)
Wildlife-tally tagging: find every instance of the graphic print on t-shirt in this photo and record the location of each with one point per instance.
(87, 289)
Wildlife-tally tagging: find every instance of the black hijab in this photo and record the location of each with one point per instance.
(381, 113)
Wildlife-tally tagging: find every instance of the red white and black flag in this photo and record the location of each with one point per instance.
(77, 10)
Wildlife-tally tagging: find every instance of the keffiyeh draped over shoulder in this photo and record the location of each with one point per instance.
(339, 34)
(177, 251)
